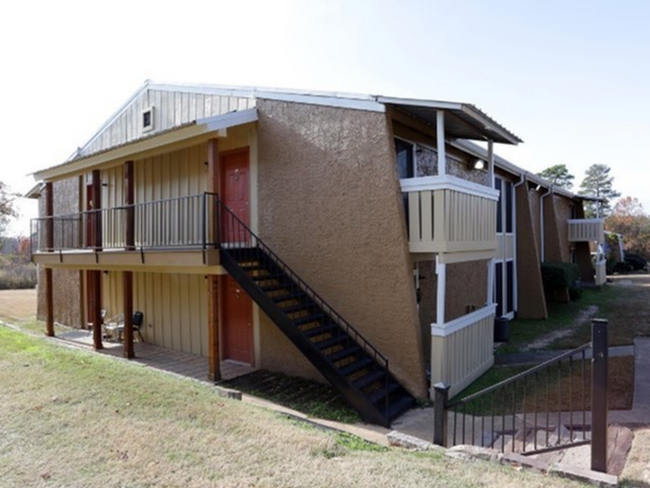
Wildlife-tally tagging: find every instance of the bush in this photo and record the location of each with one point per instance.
(636, 261)
(559, 275)
(17, 276)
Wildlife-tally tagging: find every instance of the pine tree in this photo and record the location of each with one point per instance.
(598, 183)
(558, 175)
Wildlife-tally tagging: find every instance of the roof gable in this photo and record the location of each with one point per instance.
(169, 106)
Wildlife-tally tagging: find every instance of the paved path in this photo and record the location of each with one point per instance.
(419, 422)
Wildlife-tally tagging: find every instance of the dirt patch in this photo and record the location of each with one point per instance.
(546, 340)
(17, 305)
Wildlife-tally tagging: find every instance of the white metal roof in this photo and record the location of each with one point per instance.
(512, 168)
(462, 121)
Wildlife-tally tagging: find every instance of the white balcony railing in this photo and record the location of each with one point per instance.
(447, 214)
(586, 230)
(462, 349)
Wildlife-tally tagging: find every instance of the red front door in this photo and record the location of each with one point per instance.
(235, 194)
(238, 307)
(238, 327)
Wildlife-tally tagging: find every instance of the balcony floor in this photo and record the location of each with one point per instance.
(161, 358)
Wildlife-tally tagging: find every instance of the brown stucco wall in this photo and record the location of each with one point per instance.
(65, 283)
(552, 245)
(331, 207)
(563, 206)
(466, 288)
(531, 300)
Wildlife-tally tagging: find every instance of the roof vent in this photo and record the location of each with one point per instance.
(147, 119)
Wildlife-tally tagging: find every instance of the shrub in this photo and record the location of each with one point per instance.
(559, 275)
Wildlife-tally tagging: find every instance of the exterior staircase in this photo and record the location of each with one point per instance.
(339, 352)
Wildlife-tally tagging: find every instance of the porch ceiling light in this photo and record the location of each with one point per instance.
(478, 164)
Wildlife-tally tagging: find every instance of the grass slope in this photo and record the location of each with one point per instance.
(76, 419)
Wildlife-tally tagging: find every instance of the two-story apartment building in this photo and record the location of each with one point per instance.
(337, 237)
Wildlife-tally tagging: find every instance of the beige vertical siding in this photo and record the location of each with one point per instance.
(174, 308)
(581, 230)
(171, 109)
(462, 356)
(451, 221)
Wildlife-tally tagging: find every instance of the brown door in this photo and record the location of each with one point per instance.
(238, 327)
(238, 307)
(235, 193)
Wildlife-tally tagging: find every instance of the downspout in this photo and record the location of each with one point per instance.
(541, 221)
(515, 292)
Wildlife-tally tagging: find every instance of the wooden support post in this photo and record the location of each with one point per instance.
(97, 212)
(129, 351)
(599, 422)
(49, 303)
(129, 201)
(49, 244)
(96, 307)
(214, 356)
(214, 186)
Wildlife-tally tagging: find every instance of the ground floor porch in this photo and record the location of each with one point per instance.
(161, 358)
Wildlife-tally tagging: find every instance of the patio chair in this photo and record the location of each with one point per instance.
(112, 327)
(116, 327)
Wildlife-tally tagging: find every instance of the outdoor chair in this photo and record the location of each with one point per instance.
(115, 326)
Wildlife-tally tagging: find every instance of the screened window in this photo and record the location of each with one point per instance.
(405, 160)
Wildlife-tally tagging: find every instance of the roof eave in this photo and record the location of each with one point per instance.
(195, 129)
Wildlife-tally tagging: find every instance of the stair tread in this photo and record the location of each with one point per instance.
(380, 393)
(331, 342)
(296, 308)
(400, 405)
(323, 329)
(343, 353)
(286, 298)
(368, 379)
(309, 318)
(355, 366)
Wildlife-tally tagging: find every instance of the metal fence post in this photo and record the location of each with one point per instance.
(441, 395)
(599, 395)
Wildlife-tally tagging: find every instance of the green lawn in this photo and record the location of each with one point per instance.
(626, 308)
(72, 418)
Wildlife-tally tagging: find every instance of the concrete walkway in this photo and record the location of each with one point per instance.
(419, 422)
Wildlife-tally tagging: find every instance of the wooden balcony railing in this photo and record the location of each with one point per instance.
(586, 230)
(447, 214)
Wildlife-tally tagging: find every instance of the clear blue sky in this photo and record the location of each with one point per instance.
(569, 77)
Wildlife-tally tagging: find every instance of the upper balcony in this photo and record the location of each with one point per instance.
(586, 230)
(446, 214)
(180, 231)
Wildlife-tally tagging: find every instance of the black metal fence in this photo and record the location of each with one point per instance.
(558, 404)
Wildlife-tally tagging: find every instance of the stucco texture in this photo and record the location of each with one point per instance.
(466, 288)
(331, 207)
(531, 300)
(65, 283)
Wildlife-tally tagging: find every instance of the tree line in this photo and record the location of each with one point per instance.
(626, 216)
